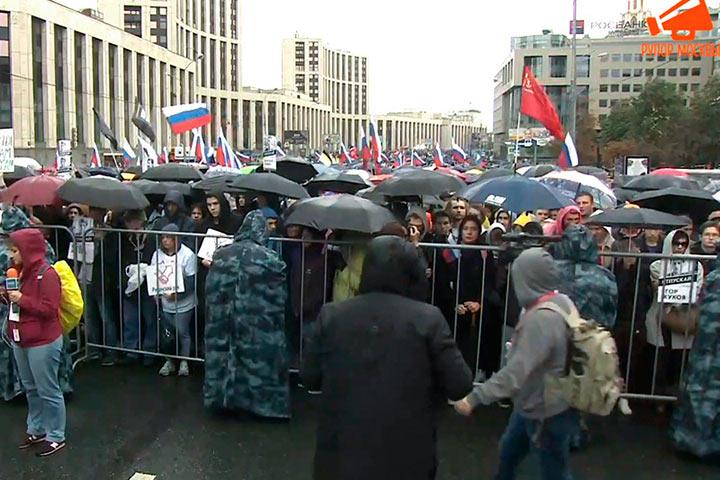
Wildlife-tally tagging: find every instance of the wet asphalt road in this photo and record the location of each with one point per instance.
(124, 420)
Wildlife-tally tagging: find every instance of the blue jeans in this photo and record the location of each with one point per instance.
(179, 325)
(550, 439)
(139, 335)
(38, 369)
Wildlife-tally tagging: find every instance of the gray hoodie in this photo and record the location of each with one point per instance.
(539, 345)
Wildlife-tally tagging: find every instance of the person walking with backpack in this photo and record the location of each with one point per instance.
(37, 335)
(539, 424)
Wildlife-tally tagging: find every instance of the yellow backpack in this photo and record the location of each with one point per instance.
(71, 301)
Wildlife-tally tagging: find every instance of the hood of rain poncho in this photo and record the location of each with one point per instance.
(577, 245)
(534, 274)
(174, 196)
(13, 219)
(558, 227)
(392, 265)
(418, 212)
(253, 229)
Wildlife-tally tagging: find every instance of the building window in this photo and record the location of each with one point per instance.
(683, 87)
(300, 83)
(649, 58)
(535, 64)
(614, 88)
(638, 57)
(97, 79)
(603, 87)
(603, 103)
(222, 18)
(38, 35)
(684, 72)
(627, 57)
(202, 16)
(152, 88)
(5, 97)
(364, 74)
(558, 66)
(685, 58)
(637, 87)
(696, 72)
(673, 57)
(604, 59)
(615, 73)
(235, 122)
(626, 88)
(583, 66)
(672, 72)
(127, 68)
(233, 19)
(112, 84)
(60, 63)
(246, 123)
(158, 26)
(660, 72)
(613, 103)
(140, 78)
(211, 15)
(616, 57)
(79, 86)
(627, 72)
(661, 58)
(223, 65)
(694, 87)
(213, 79)
(604, 73)
(133, 20)
(233, 67)
(203, 63)
(637, 72)
(649, 72)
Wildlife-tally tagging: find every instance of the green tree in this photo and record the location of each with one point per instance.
(703, 129)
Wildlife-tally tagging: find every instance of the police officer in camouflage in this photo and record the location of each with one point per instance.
(246, 359)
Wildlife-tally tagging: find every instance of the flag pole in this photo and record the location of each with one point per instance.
(517, 142)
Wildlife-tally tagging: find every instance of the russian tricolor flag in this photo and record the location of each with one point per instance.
(344, 155)
(183, 118)
(244, 159)
(438, 156)
(416, 160)
(198, 147)
(568, 155)
(224, 156)
(128, 153)
(95, 159)
(375, 144)
(364, 149)
(458, 154)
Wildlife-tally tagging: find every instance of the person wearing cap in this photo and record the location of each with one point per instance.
(177, 309)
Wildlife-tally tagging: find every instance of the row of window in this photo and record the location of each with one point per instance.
(650, 72)
(605, 103)
(639, 57)
(558, 65)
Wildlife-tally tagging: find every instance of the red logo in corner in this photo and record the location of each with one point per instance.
(689, 20)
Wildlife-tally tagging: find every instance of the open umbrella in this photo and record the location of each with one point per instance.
(340, 212)
(269, 183)
(540, 170)
(698, 204)
(18, 173)
(594, 171)
(659, 182)
(414, 182)
(151, 187)
(496, 172)
(103, 192)
(338, 182)
(570, 183)
(516, 194)
(673, 172)
(636, 217)
(33, 191)
(217, 183)
(110, 172)
(295, 169)
(174, 172)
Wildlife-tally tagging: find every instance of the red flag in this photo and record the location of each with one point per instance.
(535, 103)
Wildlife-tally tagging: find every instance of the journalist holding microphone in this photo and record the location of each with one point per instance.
(35, 330)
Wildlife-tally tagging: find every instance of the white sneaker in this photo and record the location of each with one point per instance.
(168, 368)
(184, 370)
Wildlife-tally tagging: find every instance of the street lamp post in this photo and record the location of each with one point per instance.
(573, 82)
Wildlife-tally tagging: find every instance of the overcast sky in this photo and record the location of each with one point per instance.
(436, 57)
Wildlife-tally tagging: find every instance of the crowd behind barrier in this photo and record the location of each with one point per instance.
(145, 299)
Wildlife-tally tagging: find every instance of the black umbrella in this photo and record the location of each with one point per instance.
(175, 172)
(622, 195)
(496, 172)
(414, 182)
(340, 212)
(338, 182)
(516, 194)
(295, 169)
(17, 174)
(698, 204)
(660, 182)
(217, 183)
(151, 187)
(540, 170)
(637, 217)
(594, 171)
(103, 192)
(110, 172)
(269, 183)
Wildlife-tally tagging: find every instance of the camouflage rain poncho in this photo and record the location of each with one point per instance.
(695, 425)
(591, 287)
(246, 357)
(14, 219)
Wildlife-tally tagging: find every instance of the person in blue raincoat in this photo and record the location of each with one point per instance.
(14, 219)
(246, 358)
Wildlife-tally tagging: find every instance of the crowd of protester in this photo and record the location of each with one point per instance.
(256, 304)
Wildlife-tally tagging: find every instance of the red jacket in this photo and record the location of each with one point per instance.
(41, 290)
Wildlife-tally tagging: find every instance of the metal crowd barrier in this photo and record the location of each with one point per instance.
(108, 321)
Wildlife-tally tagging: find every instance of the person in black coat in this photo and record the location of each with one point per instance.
(385, 361)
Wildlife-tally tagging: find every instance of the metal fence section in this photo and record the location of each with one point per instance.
(471, 285)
